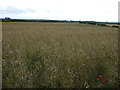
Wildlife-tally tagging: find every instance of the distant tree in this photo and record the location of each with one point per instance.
(79, 21)
(115, 26)
(7, 18)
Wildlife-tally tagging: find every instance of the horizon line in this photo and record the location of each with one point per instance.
(59, 19)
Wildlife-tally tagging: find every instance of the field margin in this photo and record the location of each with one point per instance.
(0, 54)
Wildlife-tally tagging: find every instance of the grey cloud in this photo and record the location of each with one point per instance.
(48, 11)
(53, 11)
(14, 10)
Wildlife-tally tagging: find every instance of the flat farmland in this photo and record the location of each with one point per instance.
(59, 55)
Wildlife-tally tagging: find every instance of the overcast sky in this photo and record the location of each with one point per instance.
(90, 10)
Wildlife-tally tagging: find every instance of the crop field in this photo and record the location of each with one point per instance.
(59, 55)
